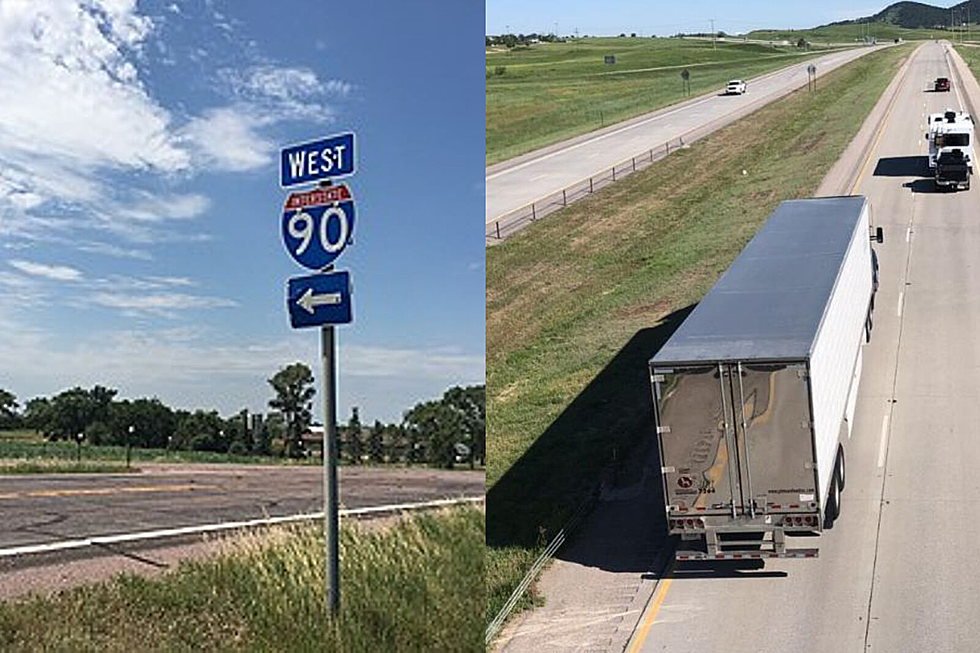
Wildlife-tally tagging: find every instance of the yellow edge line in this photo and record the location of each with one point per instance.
(881, 129)
(654, 609)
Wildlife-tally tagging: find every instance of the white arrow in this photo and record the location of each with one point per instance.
(309, 301)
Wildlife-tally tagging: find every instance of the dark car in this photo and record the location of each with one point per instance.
(942, 84)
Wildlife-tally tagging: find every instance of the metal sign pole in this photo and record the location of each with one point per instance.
(330, 522)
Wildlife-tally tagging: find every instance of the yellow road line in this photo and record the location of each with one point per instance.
(653, 610)
(108, 490)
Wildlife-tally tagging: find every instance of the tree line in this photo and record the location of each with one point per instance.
(443, 432)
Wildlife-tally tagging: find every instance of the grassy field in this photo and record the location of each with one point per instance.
(548, 92)
(413, 586)
(578, 302)
(971, 55)
(853, 33)
(14, 467)
(28, 446)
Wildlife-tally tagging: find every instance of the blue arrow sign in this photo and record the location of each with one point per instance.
(317, 225)
(319, 299)
(322, 159)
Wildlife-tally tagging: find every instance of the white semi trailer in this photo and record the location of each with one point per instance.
(754, 394)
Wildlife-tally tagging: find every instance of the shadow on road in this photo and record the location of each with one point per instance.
(902, 166)
(723, 569)
(923, 186)
(609, 425)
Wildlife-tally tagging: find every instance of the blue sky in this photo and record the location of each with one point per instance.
(140, 206)
(662, 18)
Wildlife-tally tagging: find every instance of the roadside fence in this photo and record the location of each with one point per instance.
(512, 221)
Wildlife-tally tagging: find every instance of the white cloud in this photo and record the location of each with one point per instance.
(150, 207)
(228, 139)
(54, 272)
(161, 303)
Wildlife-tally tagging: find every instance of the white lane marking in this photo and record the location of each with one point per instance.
(103, 540)
(908, 234)
(536, 177)
(884, 441)
(901, 295)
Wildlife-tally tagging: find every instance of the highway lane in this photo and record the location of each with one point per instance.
(56, 507)
(898, 571)
(512, 185)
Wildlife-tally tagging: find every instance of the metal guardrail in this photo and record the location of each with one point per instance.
(512, 221)
(539, 563)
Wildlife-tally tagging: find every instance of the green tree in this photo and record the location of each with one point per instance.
(73, 411)
(470, 404)
(376, 442)
(294, 390)
(8, 410)
(37, 415)
(202, 431)
(439, 426)
(355, 444)
(153, 422)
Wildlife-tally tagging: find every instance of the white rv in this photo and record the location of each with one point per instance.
(950, 129)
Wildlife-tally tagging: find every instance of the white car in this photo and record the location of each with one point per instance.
(735, 87)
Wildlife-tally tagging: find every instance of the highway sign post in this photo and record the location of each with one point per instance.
(811, 73)
(316, 226)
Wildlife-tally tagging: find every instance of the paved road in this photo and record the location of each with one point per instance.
(50, 508)
(510, 186)
(898, 572)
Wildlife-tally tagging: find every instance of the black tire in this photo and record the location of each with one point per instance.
(833, 504)
(841, 469)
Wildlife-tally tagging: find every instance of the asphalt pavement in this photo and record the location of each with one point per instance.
(898, 571)
(513, 184)
(42, 509)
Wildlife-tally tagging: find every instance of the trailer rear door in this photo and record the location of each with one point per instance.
(735, 438)
(774, 437)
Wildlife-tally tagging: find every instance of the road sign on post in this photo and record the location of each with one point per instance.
(315, 160)
(319, 299)
(685, 77)
(317, 225)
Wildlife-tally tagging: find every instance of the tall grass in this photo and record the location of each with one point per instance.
(414, 586)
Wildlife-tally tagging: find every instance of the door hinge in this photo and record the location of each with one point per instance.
(663, 429)
(667, 470)
(657, 378)
(802, 374)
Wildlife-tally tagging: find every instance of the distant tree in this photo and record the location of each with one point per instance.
(201, 431)
(376, 442)
(437, 425)
(470, 404)
(73, 411)
(8, 410)
(633, 35)
(801, 43)
(355, 445)
(293, 385)
(36, 415)
(622, 34)
(152, 421)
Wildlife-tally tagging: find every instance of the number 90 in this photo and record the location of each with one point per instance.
(302, 227)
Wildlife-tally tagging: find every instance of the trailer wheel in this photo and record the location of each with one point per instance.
(841, 469)
(833, 504)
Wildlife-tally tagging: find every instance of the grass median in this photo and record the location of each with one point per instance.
(579, 301)
(549, 92)
(416, 585)
(16, 467)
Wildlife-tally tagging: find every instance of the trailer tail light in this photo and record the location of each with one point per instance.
(686, 523)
